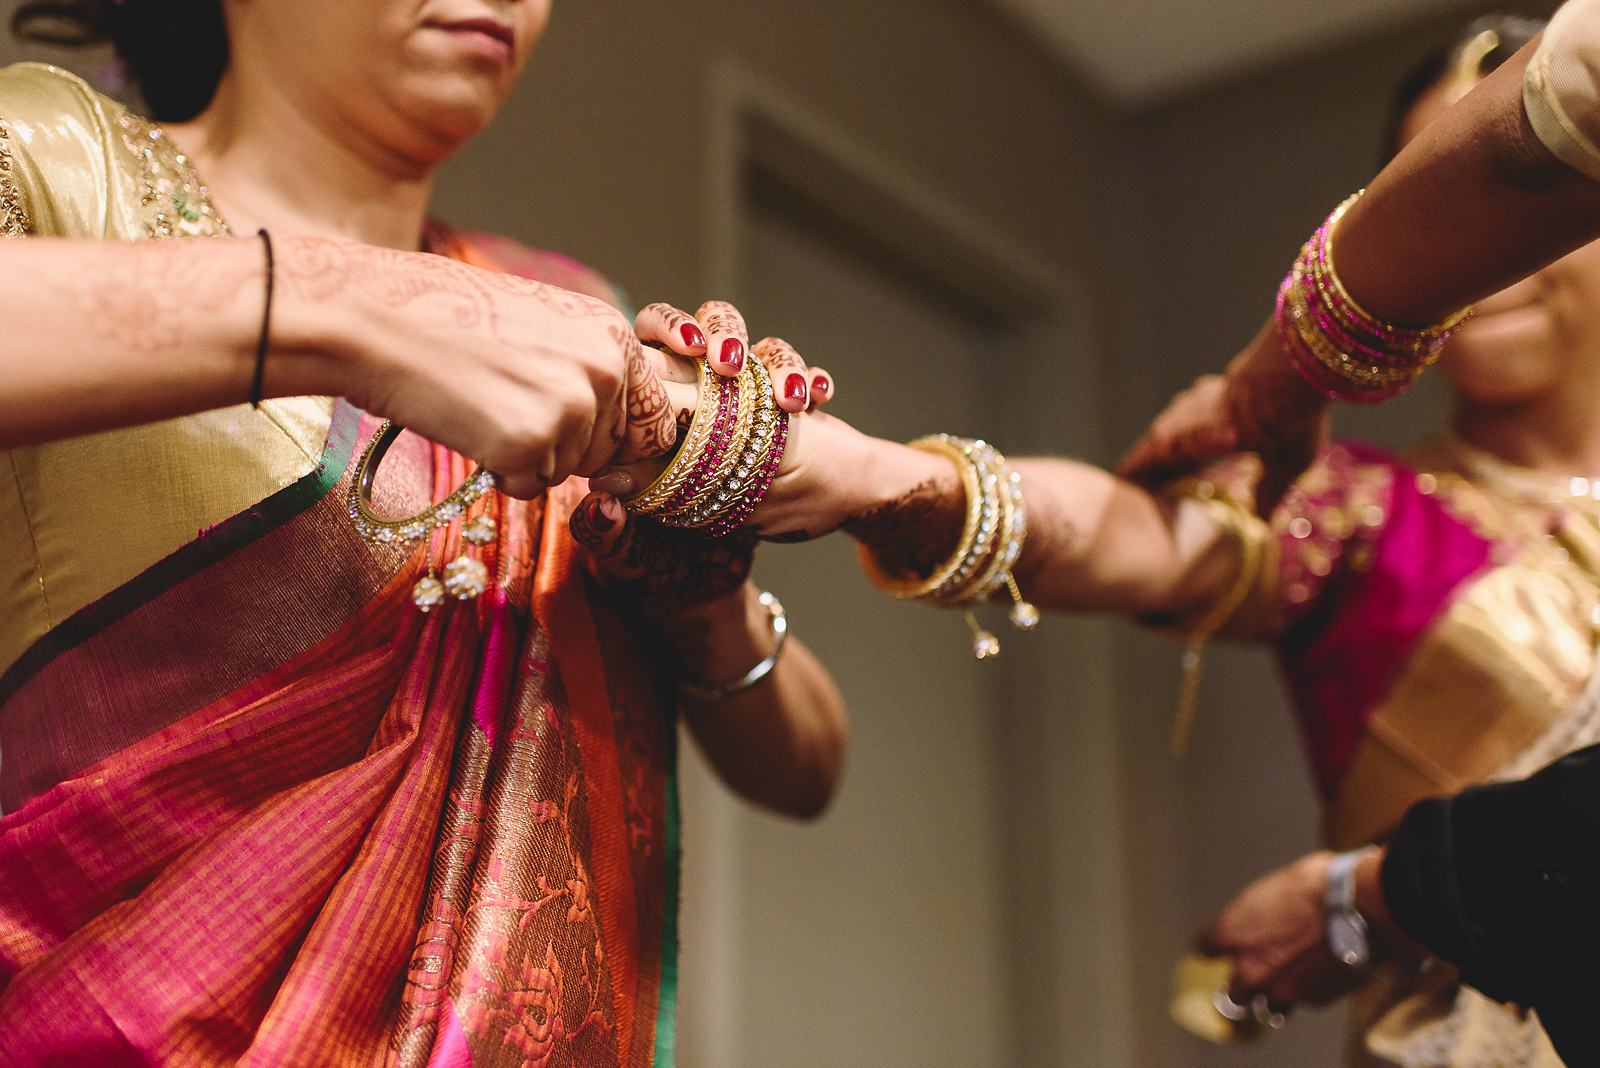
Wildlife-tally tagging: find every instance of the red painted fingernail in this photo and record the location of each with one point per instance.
(794, 387)
(733, 353)
(692, 336)
(819, 384)
(612, 509)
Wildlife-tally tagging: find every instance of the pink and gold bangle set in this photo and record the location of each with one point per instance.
(728, 458)
(1336, 345)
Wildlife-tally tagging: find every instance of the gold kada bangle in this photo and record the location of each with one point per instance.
(465, 576)
(1330, 278)
(666, 485)
(908, 589)
(720, 492)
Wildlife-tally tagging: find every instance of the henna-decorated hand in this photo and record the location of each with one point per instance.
(718, 332)
(534, 382)
(1260, 405)
(816, 458)
(658, 571)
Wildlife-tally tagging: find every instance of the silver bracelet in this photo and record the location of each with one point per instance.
(780, 633)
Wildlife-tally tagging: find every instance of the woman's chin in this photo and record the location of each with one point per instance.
(452, 100)
(1495, 382)
(1502, 335)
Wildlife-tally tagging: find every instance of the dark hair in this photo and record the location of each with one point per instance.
(1511, 33)
(175, 50)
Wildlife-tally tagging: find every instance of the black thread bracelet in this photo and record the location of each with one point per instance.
(258, 382)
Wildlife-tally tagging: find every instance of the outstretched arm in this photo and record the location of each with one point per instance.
(1095, 542)
(1474, 203)
(541, 383)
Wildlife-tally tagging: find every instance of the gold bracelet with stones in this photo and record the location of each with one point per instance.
(918, 588)
(741, 463)
(991, 542)
(722, 472)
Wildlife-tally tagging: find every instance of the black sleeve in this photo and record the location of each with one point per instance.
(1504, 880)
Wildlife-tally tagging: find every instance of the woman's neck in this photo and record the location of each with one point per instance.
(1558, 433)
(270, 164)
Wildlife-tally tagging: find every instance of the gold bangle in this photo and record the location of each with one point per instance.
(995, 572)
(1434, 332)
(709, 404)
(1338, 362)
(1251, 557)
(466, 576)
(398, 531)
(912, 588)
(984, 556)
(719, 494)
(993, 533)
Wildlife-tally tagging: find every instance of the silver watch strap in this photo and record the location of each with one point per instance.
(1346, 931)
(1341, 892)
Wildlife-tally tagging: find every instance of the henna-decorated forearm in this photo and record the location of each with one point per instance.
(1095, 542)
(916, 531)
(104, 335)
(660, 571)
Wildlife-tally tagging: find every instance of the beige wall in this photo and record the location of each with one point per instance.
(1176, 224)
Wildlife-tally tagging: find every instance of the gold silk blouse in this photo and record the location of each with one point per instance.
(1490, 680)
(1507, 652)
(80, 517)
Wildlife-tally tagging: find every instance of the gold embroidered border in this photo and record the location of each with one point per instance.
(13, 220)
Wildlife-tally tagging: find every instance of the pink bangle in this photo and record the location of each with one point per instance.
(716, 446)
(760, 482)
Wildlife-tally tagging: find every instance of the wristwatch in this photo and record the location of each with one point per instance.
(1349, 938)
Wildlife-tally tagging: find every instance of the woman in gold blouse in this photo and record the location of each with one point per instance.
(268, 795)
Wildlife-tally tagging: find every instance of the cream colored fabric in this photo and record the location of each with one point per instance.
(1561, 89)
(80, 517)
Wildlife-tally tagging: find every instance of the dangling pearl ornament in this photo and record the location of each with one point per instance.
(1024, 615)
(985, 646)
(465, 578)
(428, 593)
(480, 531)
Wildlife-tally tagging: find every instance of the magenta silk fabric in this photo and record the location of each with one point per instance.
(1341, 660)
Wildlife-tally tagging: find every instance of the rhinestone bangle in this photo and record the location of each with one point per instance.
(392, 531)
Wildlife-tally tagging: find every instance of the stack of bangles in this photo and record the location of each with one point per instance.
(727, 458)
(993, 531)
(1340, 349)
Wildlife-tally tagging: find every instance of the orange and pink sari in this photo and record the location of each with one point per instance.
(260, 809)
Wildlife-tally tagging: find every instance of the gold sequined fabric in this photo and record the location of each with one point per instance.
(74, 163)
